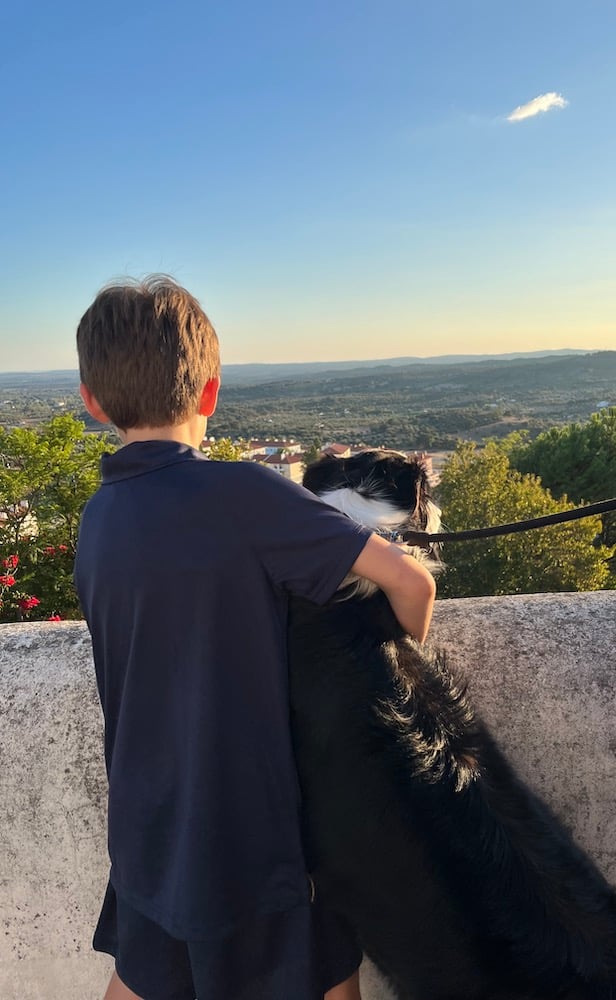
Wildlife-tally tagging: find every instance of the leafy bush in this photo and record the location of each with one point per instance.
(46, 477)
(481, 488)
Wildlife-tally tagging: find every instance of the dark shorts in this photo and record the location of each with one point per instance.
(298, 954)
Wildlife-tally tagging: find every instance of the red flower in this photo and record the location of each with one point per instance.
(54, 618)
(27, 603)
(10, 562)
(49, 550)
(7, 581)
(62, 548)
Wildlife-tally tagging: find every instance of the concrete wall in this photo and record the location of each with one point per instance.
(542, 670)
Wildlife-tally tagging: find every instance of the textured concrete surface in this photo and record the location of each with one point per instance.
(543, 673)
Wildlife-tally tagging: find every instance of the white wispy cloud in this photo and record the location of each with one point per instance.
(545, 102)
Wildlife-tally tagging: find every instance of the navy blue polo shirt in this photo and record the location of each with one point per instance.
(183, 571)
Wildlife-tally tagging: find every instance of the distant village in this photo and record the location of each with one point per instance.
(288, 456)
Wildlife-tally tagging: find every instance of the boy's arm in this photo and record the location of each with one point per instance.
(408, 585)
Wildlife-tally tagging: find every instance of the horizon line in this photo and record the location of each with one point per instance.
(351, 361)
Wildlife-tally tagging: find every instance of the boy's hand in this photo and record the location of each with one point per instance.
(409, 586)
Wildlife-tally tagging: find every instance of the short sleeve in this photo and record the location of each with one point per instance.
(306, 546)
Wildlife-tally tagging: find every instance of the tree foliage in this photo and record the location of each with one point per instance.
(578, 459)
(46, 477)
(481, 488)
(224, 450)
(313, 453)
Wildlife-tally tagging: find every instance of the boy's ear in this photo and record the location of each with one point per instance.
(92, 405)
(209, 397)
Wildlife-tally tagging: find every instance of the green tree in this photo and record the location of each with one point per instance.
(224, 450)
(480, 488)
(313, 453)
(578, 460)
(46, 477)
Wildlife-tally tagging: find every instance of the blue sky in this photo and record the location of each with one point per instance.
(333, 180)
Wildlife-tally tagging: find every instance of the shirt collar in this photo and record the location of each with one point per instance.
(141, 457)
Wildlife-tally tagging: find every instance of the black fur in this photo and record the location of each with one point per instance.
(462, 883)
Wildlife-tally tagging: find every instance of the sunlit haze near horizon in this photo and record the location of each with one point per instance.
(333, 181)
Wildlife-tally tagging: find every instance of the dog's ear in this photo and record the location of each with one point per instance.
(404, 475)
(422, 495)
(420, 514)
(321, 473)
(411, 482)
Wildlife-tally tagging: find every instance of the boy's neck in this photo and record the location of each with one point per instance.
(191, 432)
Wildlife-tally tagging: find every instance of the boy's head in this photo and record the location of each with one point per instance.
(146, 351)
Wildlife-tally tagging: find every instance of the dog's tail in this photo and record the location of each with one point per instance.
(532, 891)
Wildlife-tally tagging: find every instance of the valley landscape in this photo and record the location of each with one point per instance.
(402, 403)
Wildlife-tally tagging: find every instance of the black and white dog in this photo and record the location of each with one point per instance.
(461, 882)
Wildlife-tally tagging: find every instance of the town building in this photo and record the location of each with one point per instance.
(289, 466)
(272, 447)
(337, 450)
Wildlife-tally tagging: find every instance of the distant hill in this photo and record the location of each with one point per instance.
(421, 405)
(403, 403)
(254, 374)
(58, 379)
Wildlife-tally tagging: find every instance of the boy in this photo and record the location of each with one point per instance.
(182, 568)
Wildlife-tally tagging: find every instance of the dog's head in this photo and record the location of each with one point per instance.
(383, 490)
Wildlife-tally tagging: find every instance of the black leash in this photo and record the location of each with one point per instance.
(590, 510)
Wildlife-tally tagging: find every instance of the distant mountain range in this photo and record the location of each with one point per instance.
(253, 374)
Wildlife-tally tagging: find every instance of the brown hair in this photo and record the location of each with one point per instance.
(146, 350)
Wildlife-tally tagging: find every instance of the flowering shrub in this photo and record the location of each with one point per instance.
(27, 603)
(46, 477)
(14, 604)
(17, 599)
